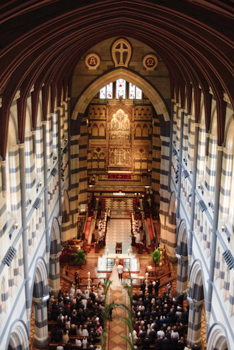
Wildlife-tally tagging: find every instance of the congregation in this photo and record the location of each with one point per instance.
(77, 314)
(159, 321)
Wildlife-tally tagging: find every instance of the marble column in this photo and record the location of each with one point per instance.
(194, 322)
(41, 338)
(54, 273)
(182, 274)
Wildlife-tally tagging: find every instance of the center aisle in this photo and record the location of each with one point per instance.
(119, 230)
(116, 327)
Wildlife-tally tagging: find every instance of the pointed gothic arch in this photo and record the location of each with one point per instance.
(91, 90)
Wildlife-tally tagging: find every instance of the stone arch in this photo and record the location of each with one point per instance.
(196, 301)
(18, 336)
(138, 130)
(95, 130)
(145, 131)
(182, 255)
(169, 234)
(217, 338)
(102, 130)
(154, 96)
(55, 251)
(40, 295)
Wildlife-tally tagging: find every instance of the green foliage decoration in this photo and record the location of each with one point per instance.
(156, 255)
(80, 257)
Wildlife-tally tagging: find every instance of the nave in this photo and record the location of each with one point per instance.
(147, 303)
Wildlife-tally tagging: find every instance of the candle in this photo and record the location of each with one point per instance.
(88, 274)
(107, 251)
(128, 251)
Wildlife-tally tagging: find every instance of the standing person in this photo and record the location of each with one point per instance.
(142, 287)
(169, 288)
(150, 287)
(156, 286)
(120, 271)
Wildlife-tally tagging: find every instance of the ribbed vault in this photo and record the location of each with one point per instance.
(42, 41)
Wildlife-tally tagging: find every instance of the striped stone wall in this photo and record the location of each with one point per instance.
(156, 159)
(211, 165)
(83, 175)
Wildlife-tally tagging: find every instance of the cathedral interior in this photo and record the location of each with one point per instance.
(116, 141)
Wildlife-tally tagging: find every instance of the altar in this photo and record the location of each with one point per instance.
(120, 256)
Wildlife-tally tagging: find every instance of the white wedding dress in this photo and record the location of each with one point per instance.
(115, 278)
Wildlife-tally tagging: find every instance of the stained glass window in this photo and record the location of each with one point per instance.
(120, 88)
(109, 90)
(131, 91)
(138, 93)
(103, 92)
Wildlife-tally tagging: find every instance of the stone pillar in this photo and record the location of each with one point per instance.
(25, 230)
(59, 161)
(194, 322)
(54, 274)
(156, 159)
(211, 166)
(171, 141)
(164, 191)
(194, 172)
(41, 338)
(182, 274)
(226, 183)
(180, 162)
(69, 139)
(46, 209)
(14, 178)
(83, 177)
(201, 152)
(213, 230)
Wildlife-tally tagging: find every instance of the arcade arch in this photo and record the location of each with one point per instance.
(217, 339)
(196, 302)
(40, 297)
(18, 337)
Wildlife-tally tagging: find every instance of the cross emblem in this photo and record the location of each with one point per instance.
(121, 49)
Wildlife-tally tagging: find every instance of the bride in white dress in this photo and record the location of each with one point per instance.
(115, 278)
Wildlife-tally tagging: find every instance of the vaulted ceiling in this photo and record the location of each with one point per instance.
(42, 41)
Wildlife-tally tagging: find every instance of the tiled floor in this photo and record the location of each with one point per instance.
(116, 327)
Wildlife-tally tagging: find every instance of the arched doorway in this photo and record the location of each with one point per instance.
(196, 301)
(55, 251)
(182, 255)
(18, 337)
(217, 339)
(40, 297)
